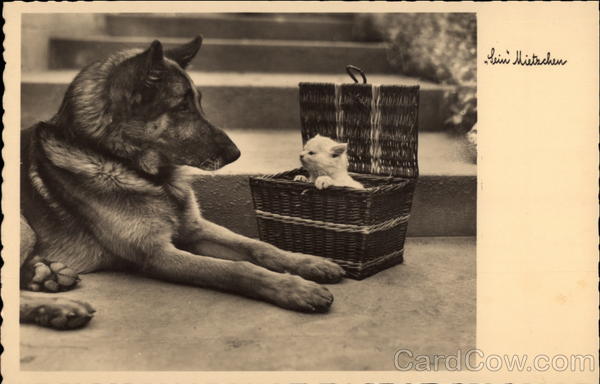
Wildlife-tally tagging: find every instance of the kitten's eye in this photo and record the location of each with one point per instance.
(311, 153)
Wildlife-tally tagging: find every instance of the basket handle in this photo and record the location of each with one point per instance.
(350, 68)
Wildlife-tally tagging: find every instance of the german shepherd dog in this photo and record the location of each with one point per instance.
(106, 185)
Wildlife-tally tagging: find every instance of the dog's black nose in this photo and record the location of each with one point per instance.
(232, 154)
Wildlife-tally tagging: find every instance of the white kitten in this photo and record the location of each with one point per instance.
(327, 164)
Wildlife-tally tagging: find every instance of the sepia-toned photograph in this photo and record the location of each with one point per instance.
(247, 191)
(300, 192)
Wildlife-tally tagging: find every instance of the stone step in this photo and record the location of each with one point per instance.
(444, 204)
(252, 104)
(234, 55)
(241, 100)
(230, 26)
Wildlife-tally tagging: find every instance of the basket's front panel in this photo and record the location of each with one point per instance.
(369, 270)
(392, 204)
(299, 200)
(347, 247)
(363, 231)
(360, 255)
(383, 244)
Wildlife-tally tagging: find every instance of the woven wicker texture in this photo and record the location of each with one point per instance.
(383, 198)
(362, 230)
(379, 123)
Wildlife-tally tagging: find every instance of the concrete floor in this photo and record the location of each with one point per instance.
(426, 305)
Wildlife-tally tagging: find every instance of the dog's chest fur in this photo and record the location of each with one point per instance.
(87, 211)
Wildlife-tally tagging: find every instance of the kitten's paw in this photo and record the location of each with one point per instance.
(323, 182)
(39, 274)
(301, 178)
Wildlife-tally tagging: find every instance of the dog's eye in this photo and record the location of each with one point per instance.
(335, 155)
(311, 153)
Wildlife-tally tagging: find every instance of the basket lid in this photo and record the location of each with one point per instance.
(379, 123)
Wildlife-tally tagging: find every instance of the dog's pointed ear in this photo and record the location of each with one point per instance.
(153, 64)
(184, 54)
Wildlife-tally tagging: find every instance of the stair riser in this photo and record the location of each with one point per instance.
(228, 28)
(442, 205)
(229, 106)
(227, 57)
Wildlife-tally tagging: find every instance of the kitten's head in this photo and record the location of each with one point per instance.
(323, 156)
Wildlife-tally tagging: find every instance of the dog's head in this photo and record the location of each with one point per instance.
(145, 105)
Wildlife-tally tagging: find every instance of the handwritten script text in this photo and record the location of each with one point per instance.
(522, 59)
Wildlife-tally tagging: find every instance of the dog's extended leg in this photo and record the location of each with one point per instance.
(203, 237)
(288, 291)
(211, 239)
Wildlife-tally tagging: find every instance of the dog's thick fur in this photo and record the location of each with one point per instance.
(106, 184)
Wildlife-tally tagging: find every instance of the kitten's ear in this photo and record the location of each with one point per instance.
(339, 149)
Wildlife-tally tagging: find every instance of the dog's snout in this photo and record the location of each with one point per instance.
(232, 154)
(225, 147)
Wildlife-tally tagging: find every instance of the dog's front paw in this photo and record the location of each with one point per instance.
(318, 269)
(301, 178)
(323, 182)
(58, 313)
(301, 295)
(39, 274)
(309, 267)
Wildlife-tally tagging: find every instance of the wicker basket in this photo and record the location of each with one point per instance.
(362, 230)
